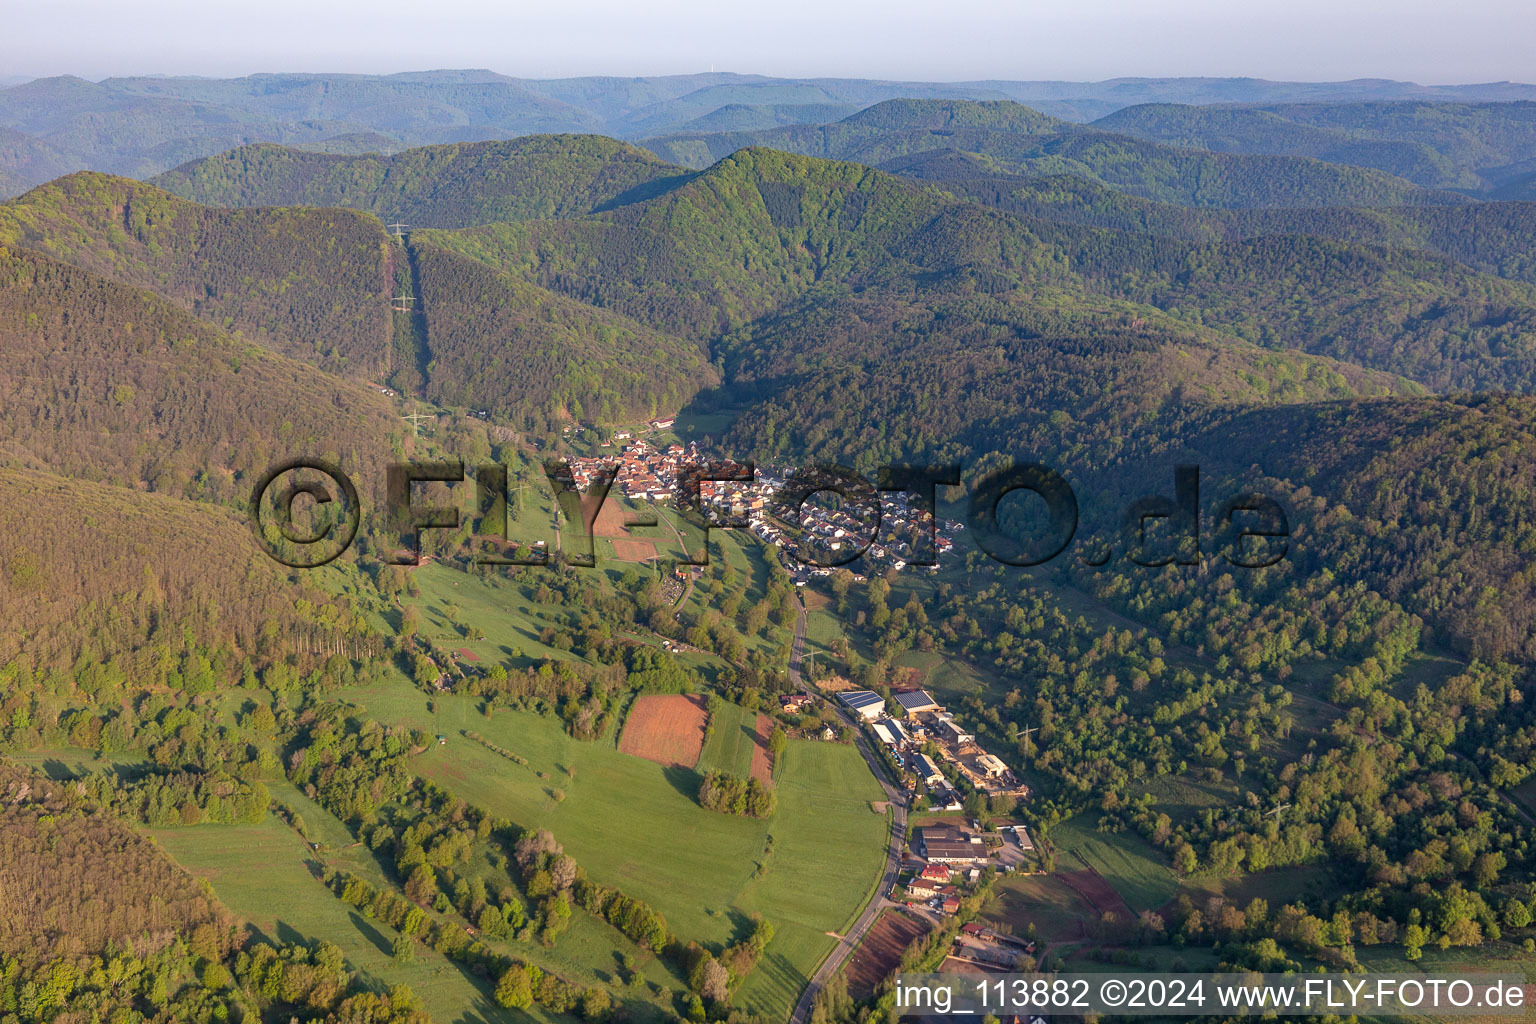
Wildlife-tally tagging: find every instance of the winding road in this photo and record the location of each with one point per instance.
(897, 799)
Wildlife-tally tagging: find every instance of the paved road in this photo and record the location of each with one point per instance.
(797, 649)
(898, 801)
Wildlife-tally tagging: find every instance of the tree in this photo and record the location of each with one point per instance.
(513, 989)
(421, 887)
(215, 976)
(715, 985)
(403, 949)
(562, 870)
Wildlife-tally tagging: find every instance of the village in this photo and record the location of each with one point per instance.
(830, 536)
(932, 753)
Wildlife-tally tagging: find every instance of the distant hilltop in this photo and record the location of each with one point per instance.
(139, 127)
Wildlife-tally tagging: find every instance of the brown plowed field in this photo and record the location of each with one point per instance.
(665, 728)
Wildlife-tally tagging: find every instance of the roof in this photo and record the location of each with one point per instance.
(942, 832)
(935, 873)
(949, 725)
(915, 700)
(883, 731)
(950, 849)
(858, 699)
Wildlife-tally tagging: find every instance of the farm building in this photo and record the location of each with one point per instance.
(885, 733)
(992, 766)
(949, 732)
(866, 703)
(929, 770)
(945, 845)
(913, 701)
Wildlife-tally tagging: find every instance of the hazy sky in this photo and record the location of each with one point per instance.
(1428, 41)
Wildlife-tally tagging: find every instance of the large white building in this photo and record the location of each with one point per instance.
(868, 704)
(913, 701)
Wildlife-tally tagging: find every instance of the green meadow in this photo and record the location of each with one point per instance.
(267, 875)
(636, 825)
(731, 738)
(1127, 862)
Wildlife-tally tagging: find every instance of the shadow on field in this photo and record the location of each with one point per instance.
(685, 780)
(369, 932)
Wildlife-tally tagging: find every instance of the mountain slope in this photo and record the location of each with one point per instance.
(308, 283)
(1492, 237)
(541, 176)
(498, 343)
(718, 250)
(1243, 130)
(104, 382)
(763, 228)
(25, 162)
(1014, 139)
(314, 284)
(142, 579)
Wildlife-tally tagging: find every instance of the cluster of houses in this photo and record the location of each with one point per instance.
(953, 857)
(924, 720)
(833, 534)
(650, 472)
(642, 471)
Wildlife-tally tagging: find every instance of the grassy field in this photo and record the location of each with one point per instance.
(636, 825)
(731, 738)
(282, 896)
(496, 609)
(72, 762)
(1182, 798)
(264, 874)
(1525, 795)
(1126, 861)
(1054, 910)
(1309, 885)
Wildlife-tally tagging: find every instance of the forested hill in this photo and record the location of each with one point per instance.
(1017, 140)
(317, 284)
(496, 342)
(157, 585)
(25, 161)
(102, 381)
(1493, 237)
(310, 283)
(762, 228)
(541, 176)
(142, 126)
(720, 249)
(1476, 147)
